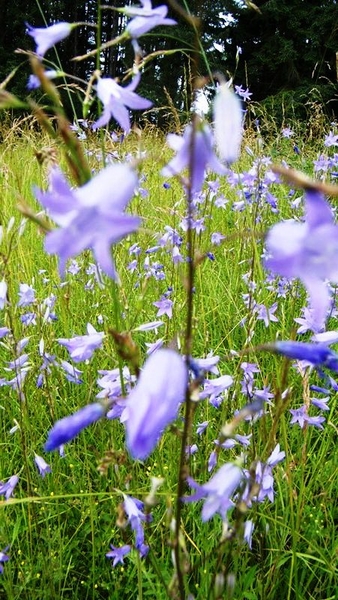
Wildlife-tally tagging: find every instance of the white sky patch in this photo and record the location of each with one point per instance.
(227, 18)
(201, 104)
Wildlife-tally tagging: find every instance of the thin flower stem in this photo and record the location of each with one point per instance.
(117, 314)
(183, 468)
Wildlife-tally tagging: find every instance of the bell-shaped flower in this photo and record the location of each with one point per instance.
(3, 559)
(46, 37)
(7, 489)
(69, 427)
(203, 155)
(228, 118)
(3, 294)
(308, 251)
(117, 555)
(317, 355)
(41, 464)
(91, 216)
(218, 491)
(34, 83)
(155, 400)
(117, 100)
(82, 347)
(146, 18)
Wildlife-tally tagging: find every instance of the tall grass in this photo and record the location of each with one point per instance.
(60, 527)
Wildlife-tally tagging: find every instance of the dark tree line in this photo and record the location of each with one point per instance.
(285, 45)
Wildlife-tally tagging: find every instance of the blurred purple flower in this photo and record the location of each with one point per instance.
(28, 319)
(190, 450)
(244, 94)
(149, 326)
(21, 362)
(307, 322)
(34, 82)
(146, 18)
(69, 427)
(3, 294)
(318, 355)
(266, 314)
(321, 403)
(4, 331)
(117, 99)
(214, 387)
(46, 37)
(207, 364)
(203, 155)
(287, 132)
(276, 456)
(331, 140)
(151, 348)
(248, 531)
(301, 416)
(117, 554)
(155, 400)
(201, 427)
(90, 216)
(212, 461)
(7, 489)
(82, 347)
(136, 519)
(71, 372)
(264, 478)
(165, 307)
(3, 559)
(308, 251)
(41, 464)
(216, 238)
(327, 337)
(217, 491)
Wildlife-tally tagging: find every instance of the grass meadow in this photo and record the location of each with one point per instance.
(58, 528)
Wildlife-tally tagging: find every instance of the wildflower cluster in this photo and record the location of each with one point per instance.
(151, 387)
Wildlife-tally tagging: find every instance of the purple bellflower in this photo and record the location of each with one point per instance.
(331, 140)
(46, 37)
(26, 295)
(318, 355)
(3, 559)
(203, 155)
(90, 216)
(136, 518)
(301, 416)
(34, 83)
(3, 294)
(248, 531)
(117, 555)
(155, 400)
(146, 18)
(69, 427)
(117, 99)
(165, 307)
(42, 465)
(7, 489)
(72, 374)
(82, 347)
(217, 491)
(308, 251)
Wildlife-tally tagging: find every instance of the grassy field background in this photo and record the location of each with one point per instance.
(59, 527)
